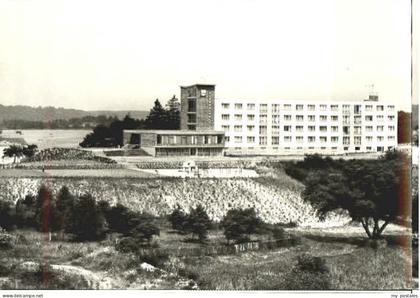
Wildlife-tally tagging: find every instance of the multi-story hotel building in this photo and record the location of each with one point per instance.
(281, 126)
(272, 127)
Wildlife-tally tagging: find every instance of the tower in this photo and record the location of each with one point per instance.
(197, 107)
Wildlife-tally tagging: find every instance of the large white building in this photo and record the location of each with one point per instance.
(211, 126)
(298, 127)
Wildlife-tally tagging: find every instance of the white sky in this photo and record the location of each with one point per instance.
(122, 54)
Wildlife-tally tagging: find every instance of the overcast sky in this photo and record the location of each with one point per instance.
(122, 54)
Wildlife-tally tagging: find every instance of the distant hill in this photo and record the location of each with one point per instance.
(45, 114)
(120, 114)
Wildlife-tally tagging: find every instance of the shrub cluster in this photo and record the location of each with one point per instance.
(239, 224)
(197, 222)
(50, 154)
(81, 217)
(310, 273)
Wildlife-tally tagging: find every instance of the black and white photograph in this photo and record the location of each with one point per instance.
(267, 146)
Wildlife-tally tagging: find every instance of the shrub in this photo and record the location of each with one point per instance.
(178, 218)
(118, 218)
(239, 224)
(310, 273)
(188, 273)
(25, 212)
(144, 231)
(127, 244)
(297, 173)
(155, 257)
(7, 217)
(198, 222)
(88, 222)
(277, 232)
(306, 280)
(6, 240)
(313, 264)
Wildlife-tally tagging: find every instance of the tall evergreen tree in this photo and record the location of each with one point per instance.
(25, 212)
(158, 117)
(7, 218)
(64, 209)
(88, 223)
(173, 109)
(44, 208)
(198, 222)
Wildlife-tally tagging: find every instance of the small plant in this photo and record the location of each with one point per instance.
(310, 273)
(277, 233)
(239, 224)
(198, 223)
(313, 264)
(6, 240)
(127, 245)
(178, 218)
(154, 257)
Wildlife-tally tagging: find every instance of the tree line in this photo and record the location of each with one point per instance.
(73, 123)
(83, 218)
(112, 135)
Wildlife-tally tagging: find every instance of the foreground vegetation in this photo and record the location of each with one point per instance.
(208, 241)
(276, 200)
(73, 265)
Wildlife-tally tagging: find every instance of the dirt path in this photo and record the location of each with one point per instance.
(95, 280)
(87, 279)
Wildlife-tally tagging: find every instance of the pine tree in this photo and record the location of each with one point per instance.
(198, 222)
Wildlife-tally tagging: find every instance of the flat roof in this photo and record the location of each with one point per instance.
(175, 132)
(303, 101)
(198, 85)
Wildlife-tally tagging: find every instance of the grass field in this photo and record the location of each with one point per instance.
(97, 265)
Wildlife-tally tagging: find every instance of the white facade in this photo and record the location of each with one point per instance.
(296, 127)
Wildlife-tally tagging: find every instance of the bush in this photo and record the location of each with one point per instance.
(7, 216)
(188, 273)
(178, 218)
(25, 212)
(87, 222)
(118, 218)
(154, 257)
(297, 173)
(306, 280)
(198, 223)
(239, 224)
(127, 245)
(278, 233)
(6, 240)
(313, 264)
(310, 273)
(144, 231)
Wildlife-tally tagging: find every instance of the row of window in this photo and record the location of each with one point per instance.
(300, 128)
(188, 140)
(275, 140)
(311, 118)
(310, 107)
(357, 148)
